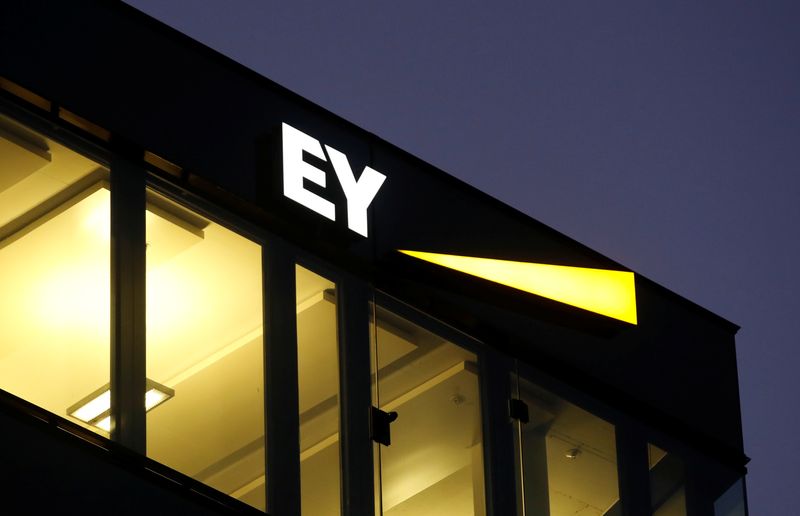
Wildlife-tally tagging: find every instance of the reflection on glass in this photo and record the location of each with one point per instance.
(434, 465)
(54, 272)
(667, 493)
(318, 375)
(567, 457)
(732, 502)
(204, 342)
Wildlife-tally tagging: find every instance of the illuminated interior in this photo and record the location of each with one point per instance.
(204, 314)
(434, 465)
(606, 292)
(318, 382)
(204, 340)
(54, 269)
(568, 458)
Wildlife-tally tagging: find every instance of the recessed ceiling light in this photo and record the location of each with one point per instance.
(95, 409)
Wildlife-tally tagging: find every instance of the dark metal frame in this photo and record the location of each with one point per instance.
(128, 313)
(280, 379)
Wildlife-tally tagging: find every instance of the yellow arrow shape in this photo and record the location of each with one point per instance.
(606, 292)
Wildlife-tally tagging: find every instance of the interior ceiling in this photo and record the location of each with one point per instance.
(586, 484)
(54, 311)
(203, 302)
(18, 165)
(46, 168)
(433, 438)
(436, 451)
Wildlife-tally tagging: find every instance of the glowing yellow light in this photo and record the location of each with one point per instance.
(97, 215)
(95, 409)
(154, 397)
(606, 292)
(105, 424)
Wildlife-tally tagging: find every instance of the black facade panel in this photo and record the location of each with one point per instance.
(48, 471)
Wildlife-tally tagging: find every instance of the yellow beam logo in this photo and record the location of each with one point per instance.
(606, 292)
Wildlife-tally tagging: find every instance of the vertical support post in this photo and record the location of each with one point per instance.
(533, 463)
(352, 304)
(701, 484)
(280, 381)
(498, 435)
(698, 501)
(634, 474)
(128, 305)
(478, 480)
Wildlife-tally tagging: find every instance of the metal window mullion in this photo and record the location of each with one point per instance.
(499, 449)
(633, 470)
(355, 395)
(699, 481)
(281, 408)
(128, 273)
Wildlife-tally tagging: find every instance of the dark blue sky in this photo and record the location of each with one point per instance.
(664, 134)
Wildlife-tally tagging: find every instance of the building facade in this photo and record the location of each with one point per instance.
(218, 297)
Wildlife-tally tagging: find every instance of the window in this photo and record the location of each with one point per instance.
(732, 502)
(667, 482)
(434, 464)
(567, 457)
(318, 378)
(205, 351)
(54, 272)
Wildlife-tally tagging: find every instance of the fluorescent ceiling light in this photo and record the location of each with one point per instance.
(95, 409)
(606, 292)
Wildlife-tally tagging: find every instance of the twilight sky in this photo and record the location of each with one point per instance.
(665, 135)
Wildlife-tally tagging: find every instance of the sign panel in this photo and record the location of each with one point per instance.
(359, 193)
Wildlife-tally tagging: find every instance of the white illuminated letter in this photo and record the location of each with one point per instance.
(359, 193)
(295, 170)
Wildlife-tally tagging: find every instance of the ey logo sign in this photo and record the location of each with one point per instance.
(606, 292)
(359, 194)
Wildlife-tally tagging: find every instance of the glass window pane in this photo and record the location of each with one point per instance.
(318, 375)
(667, 492)
(434, 465)
(54, 272)
(205, 351)
(732, 502)
(568, 458)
